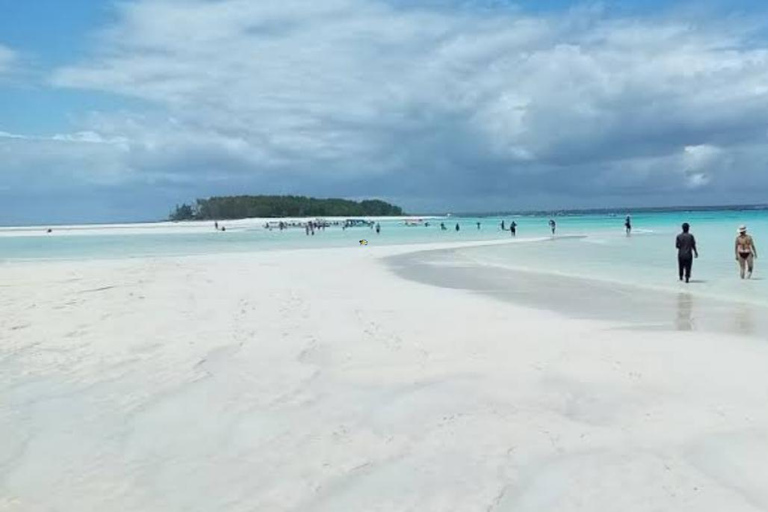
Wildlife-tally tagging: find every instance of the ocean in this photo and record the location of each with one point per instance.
(587, 245)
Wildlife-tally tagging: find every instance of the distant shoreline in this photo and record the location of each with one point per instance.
(616, 210)
(432, 215)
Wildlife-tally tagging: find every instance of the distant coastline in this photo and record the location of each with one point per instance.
(125, 221)
(614, 210)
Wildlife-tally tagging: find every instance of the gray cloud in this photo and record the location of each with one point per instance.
(435, 107)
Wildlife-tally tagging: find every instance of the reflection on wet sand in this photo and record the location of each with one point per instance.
(743, 320)
(684, 312)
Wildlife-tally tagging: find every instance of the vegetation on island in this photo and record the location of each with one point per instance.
(241, 207)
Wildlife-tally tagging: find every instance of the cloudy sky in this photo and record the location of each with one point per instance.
(119, 110)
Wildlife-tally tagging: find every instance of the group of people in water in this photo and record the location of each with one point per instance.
(744, 249)
(685, 243)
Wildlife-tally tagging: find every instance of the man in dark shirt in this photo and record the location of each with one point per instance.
(686, 250)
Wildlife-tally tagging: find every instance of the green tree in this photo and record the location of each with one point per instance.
(239, 207)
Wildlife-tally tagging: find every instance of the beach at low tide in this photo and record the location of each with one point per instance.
(362, 378)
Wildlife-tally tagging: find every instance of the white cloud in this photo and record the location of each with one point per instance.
(362, 97)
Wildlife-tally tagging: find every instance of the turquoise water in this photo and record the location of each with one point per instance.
(601, 250)
(81, 244)
(590, 245)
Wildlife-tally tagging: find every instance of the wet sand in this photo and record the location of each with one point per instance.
(632, 307)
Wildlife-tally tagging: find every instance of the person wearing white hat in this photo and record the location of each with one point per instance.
(745, 252)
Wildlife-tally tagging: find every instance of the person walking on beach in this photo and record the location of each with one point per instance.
(628, 225)
(686, 251)
(513, 228)
(553, 225)
(745, 252)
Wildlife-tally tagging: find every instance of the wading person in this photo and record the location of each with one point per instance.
(686, 251)
(745, 252)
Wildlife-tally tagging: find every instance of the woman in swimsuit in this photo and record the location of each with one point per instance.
(745, 252)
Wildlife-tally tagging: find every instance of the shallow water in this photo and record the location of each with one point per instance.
(587, 246)
(647, 259)
(628, 306)
(653, 236)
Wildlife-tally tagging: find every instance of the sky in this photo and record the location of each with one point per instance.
(118, 110)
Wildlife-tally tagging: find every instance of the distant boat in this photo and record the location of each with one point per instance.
(355, 223)
(414, 222)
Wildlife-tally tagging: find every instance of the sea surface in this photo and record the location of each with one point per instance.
(587, 245)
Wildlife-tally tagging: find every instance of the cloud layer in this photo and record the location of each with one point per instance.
(432, 106)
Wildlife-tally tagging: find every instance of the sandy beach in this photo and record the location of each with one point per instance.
(324, 380)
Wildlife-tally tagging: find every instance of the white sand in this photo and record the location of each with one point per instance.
(170, 228)
(318, 381)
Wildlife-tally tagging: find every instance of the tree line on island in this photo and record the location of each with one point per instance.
(242, 207)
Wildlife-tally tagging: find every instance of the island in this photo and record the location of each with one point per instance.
(242, 207)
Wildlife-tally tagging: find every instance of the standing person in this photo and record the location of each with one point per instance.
(442, 226)
(745, 252)
(628, 225)
(457, 227)
(502, 226)
(553, 225)
(216, 225)
(686, 251)
(513, 228)
(378, 228)
(478, 225)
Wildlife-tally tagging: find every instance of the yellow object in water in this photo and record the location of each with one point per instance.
(363, 242)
